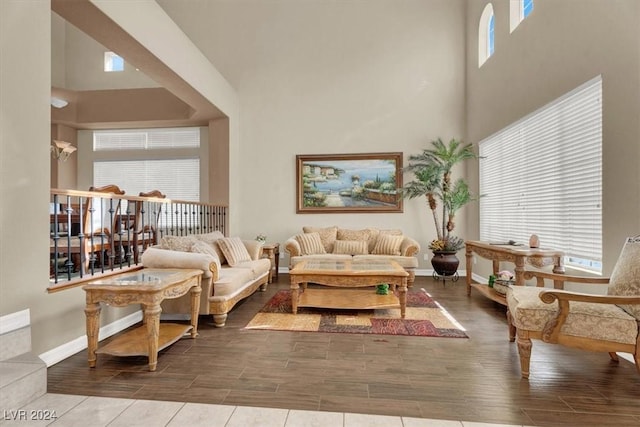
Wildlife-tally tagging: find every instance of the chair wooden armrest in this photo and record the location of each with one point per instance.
(560, 279)
(553, 327)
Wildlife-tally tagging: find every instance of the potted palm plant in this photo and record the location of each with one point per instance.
(432, 171)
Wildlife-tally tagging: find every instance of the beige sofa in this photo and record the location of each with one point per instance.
(226, 280)
(340, 243)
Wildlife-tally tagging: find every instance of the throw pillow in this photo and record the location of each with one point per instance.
(388, 244)
(625, 278)
(234, 250)
(212, 238)
(345, 234)
(327, 236)
(201, 247)
(351, 247)
(178, 243)
(310, 244)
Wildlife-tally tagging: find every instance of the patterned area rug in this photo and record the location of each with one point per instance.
(424, 317)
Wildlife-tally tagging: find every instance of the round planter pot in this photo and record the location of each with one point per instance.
(445, 263)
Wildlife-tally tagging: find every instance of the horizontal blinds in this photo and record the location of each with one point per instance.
(146, 139)
(176, 178)
(543, 175)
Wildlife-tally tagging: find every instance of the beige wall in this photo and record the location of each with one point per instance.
(558, 47)
(320, 77)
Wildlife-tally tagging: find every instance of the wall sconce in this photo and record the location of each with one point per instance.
(61, 150)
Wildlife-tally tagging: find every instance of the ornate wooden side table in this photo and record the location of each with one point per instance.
(519, 255)
(148, 287)
(272, 251)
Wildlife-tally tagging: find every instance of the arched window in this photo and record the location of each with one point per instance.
(519, 9)
(486, 34)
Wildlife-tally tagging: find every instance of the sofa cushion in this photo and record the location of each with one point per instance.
(212, 238)
(257, 266)
(388, 244)
(327, 235)
(625, 279)
(231, 281)
(310, 244)
(346, 234)
(178, 243)
(351, 247)
(234, 250)
(201, 247)
(589, 320)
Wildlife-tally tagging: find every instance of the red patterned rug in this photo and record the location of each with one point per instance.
(424, 317)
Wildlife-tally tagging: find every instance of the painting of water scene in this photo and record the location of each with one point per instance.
(349, 183)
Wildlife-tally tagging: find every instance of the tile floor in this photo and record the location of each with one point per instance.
(83, 411)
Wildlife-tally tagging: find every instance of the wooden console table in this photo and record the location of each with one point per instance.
(148, 287)
(517, 254)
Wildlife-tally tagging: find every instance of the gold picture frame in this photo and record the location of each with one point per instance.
(343, 183)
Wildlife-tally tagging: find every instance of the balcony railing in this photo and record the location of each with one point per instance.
(95, 234)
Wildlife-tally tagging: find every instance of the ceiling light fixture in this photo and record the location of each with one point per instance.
(58, 102)
(61, 150)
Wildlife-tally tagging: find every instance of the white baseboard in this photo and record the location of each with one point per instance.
(66, 350)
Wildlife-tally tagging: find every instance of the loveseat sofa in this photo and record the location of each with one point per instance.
(233, 269)
(340, 243)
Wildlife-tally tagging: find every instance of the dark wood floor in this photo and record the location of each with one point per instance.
(475, 379)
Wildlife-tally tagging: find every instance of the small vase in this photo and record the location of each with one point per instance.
(445, 263)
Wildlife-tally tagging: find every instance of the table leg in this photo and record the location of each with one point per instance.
(519, 270)
(469, 256)
(295, 293)
(92, 313)
(152, 316)
(402, 296)
(277, 262)
(195, 308)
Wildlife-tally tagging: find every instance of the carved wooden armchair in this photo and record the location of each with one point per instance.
(608, 323)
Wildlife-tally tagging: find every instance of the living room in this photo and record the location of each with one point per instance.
(323, 78)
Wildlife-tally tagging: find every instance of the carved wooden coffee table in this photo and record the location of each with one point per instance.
(348, 274)
(148, 287)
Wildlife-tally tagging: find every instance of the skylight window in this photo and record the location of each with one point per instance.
(113, 62)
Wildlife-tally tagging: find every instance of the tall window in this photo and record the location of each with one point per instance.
(157, 159)
(486, 34)
(519, 10)
(113, 62)
(543, 175)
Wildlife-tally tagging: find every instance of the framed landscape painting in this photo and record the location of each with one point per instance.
(342, 183)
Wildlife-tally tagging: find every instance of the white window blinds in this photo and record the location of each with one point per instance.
(176, 178)
(146, 139)
(543, 175)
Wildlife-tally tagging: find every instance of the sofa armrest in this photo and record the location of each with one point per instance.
(166, 258)
(292, 247)
(254, 248)
(409, 247)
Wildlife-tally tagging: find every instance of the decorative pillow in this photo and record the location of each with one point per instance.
(327, 236)
(351, 247)
(388, 244)
(234, 250)
(344, 234)
(310, 244)
(212, 238)
(625, 278)
(201, 247)
(376, 232)
(178, 243)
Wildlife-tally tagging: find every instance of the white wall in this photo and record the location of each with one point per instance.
(324, 77)
(561, 45)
